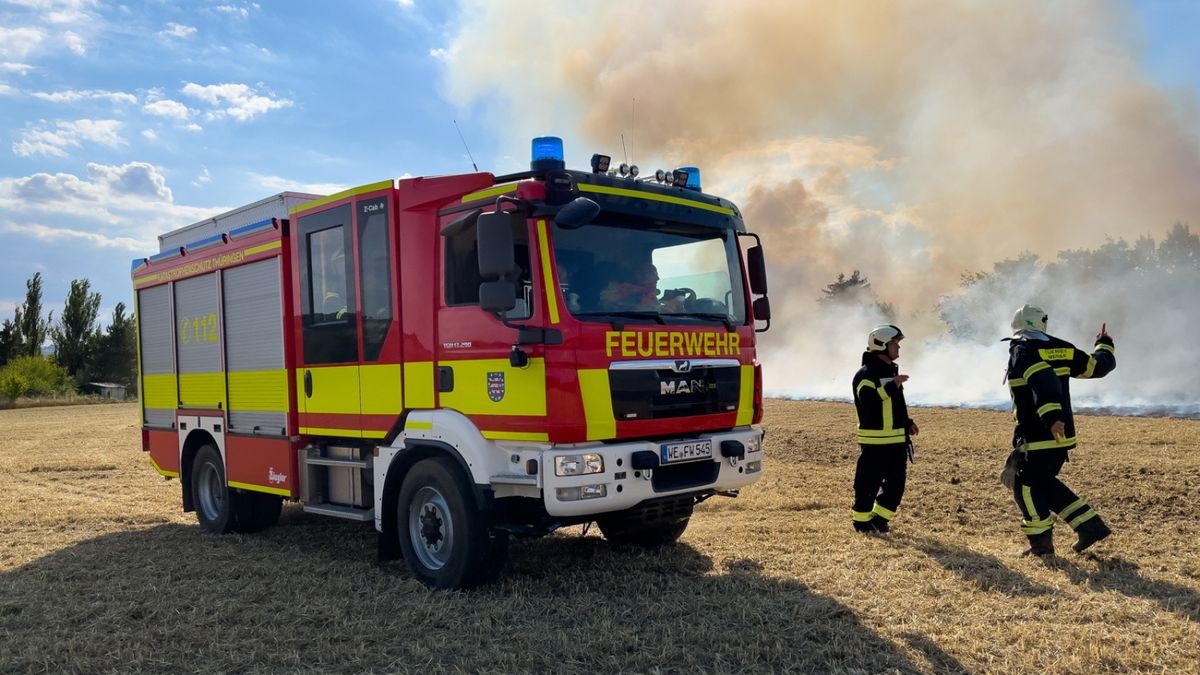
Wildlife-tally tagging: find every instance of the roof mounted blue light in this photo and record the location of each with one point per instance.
(547, 154)
(693, 180)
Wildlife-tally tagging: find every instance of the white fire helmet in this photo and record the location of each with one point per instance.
(881, 335)
(1029, 317)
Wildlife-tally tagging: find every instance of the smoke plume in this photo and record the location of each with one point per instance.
(913, 141)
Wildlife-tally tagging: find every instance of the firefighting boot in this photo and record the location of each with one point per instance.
(880, 524)
(1040, 544)
(1090, 531)
(864, 528)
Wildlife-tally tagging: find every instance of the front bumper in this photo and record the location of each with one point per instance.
(619, 486)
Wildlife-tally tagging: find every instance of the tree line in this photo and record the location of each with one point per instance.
(81, 352)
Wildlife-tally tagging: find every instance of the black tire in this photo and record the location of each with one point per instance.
(214, 501)
(255, 511)
(444, 537)
(631, 528)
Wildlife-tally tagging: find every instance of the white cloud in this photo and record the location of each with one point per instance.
(404, 3)
(66, 135)
(18, 68)
(203, 179)
(194, 128)
(439, 52)
(75, 42)
(238, 101)
(278, 184)
(50, 234)
(235, 11)
(169, 109)
(177, 30)
(150, 135)
(16, 43)
(74, 96)
(6, 90)
(58, 11)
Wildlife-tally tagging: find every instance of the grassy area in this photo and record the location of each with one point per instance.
(99, 569)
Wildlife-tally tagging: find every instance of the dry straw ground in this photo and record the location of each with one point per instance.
(100, 571)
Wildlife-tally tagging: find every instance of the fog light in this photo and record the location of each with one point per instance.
(578, 465)
(754, 467)
(574, 494)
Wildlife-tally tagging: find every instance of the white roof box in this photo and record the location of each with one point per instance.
(264, 209)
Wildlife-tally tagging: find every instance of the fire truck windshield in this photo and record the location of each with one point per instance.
(655, 271)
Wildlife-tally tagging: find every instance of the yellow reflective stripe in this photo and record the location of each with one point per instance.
(1046, 445)
(261, 488)
(1074, 506)
(261, 390)
(418, 384)
(868, 440)
(1027, 497)
(885, 513)
(887, 403)
(1091, 367)
(158, 391)
(1063, 370)
(1016, 382)
(1037, 367)
(1057, 354)
(489, 192)
(1037, 526)
(547, 278)
(330, 431)
(515, 436)
(263, 247)
(1081, 518)
(597, 404)
(880, 433)
(418, 425)
(1048, 408)
(638, 194)
(860, 516)
(745, 411)
(863, 383)
(202, 390)
(1108, 348)
(524, 388)
(380, 385)
(171, 474)
(370, 187)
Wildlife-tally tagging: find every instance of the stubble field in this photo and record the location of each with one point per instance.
(101, 571)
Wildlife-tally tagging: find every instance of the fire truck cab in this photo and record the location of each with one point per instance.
(459, 359)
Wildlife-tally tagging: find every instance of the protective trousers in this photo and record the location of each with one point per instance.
(1038, 491)
(879, 466)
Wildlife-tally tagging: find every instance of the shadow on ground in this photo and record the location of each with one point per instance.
(1123, 576)
(985, 571)
(307, 595)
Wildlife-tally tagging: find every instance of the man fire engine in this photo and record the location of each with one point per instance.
(437, 355)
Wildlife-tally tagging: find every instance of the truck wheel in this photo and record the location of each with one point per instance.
(256, 511)
(443, 535)
(627, 529)
(213, 499)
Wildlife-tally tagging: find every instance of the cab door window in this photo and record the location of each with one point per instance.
(375, 276)
(462, 271)
(327, 288)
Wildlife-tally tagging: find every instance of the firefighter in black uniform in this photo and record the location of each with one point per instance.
(884, 430)
(1039, 370)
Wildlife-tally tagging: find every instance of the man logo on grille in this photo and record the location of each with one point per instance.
(683, 366)
(495, 384)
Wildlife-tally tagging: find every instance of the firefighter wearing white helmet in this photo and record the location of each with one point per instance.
(1039, 370)
(884, 432)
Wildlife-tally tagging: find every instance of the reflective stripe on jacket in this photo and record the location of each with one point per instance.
(882, 413)
(1040, 368)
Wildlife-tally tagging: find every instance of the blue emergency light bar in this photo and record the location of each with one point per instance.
(252, 228)
(173, 252)
(547, 154)
(207, 242)
(693, 179)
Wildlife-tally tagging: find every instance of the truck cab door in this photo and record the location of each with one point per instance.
(327, 390)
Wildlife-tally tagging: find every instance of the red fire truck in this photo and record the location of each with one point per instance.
(459, 359)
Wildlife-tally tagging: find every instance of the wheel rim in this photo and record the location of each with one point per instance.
(430, 528)
(211, 492)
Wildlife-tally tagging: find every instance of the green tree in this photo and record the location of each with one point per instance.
(853, 289)
(40, 375)
(76, 335)
(10, 339)
(116, 357)
(28, 319)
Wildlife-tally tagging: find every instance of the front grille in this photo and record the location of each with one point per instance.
(663, 394)
(689, 474)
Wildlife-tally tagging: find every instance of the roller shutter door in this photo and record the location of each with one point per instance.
(258, 395)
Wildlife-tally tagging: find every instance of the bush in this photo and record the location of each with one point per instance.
(12, 385)
(33, 376)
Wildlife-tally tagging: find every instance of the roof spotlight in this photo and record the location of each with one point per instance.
(600, 163)
(660, 175)
(679, 178)
(633, 171)
(623, 169)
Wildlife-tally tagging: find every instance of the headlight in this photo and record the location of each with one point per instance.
(578, 465)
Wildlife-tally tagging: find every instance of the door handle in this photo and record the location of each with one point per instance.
(308, 383)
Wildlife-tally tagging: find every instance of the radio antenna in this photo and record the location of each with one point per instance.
(632, 119)
(464, 142)
(623, 148)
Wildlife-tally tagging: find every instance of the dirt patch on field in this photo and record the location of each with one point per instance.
(99, 569)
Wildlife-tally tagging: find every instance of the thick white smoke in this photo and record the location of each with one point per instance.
(913, 141)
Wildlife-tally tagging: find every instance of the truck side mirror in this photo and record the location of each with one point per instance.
(497, 297)
(757, 267)
(494, 234)
(762, 312)
(578, 213)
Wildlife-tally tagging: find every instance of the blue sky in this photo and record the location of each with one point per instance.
(122, 121)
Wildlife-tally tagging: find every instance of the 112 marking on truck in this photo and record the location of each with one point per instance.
(459, 359)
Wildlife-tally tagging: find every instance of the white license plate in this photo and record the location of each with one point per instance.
(686, 451)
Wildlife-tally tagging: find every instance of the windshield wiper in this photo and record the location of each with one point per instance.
(711, 316)
(613, 316)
